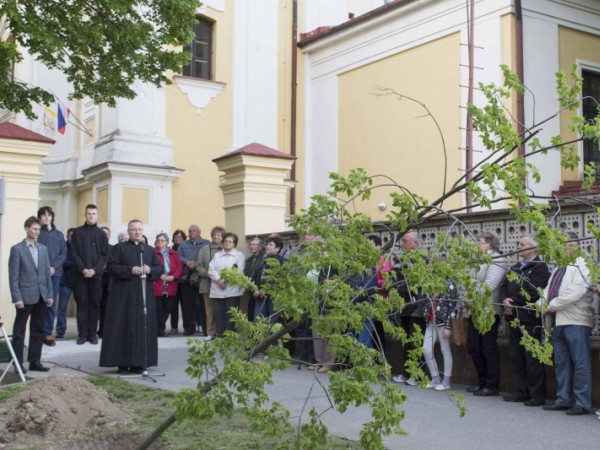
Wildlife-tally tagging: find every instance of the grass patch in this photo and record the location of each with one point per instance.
(152, 406)
(10, 391)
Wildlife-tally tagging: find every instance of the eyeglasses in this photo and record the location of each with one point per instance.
(229, 241)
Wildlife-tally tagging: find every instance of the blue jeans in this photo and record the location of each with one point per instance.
(366, 335)
(264, 308)
(61, 314)
(573, 364)
(49, 316)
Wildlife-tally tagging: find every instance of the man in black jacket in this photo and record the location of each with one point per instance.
(528, 373)
(412, 314)
(90, 252)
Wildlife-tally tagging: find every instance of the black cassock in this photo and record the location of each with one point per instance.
(123, 335)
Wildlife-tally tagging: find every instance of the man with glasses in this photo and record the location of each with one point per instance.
(130, 340)
(188, 253)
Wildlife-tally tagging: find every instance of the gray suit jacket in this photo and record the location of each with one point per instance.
(28, 283)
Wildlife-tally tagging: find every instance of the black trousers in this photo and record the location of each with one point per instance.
(175, 309)
(222, 313)
(164, 305)
(408, 324)
(37, 313)
(528, 373)
(305, 346)
(483, 349)
(188, 307)
(106, 285)
(87, 292)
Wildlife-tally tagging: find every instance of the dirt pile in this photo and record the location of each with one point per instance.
(58, 407)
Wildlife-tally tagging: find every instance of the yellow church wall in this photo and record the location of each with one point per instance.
(102, 203)
(386, 135)
(509, 54)
(574, 45)
(199, 138)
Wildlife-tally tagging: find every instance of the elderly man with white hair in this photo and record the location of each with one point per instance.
(570, 302)
(528, 373)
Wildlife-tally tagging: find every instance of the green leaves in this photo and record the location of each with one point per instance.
(341, 252)
(103, 47)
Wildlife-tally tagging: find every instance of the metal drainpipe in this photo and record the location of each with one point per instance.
(519, 55)
(469, 161)
(294, 103)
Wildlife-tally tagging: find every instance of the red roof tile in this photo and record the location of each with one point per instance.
(255, 149)
(12, 131)
(321, 32)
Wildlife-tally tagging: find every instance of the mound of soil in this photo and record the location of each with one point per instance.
(58, 407)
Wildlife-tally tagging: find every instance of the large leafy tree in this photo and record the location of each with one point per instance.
(102, 46)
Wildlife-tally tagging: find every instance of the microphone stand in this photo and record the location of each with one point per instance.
(145, 373)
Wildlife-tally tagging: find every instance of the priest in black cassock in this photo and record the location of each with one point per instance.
(129, 339)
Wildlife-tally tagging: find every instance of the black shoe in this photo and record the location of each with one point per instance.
(514, 398)
(188, 333)
(486, 392)
(123, 370)
(556, 407)
(80, 341)
(474, 388)
(94, 341)
(136, 369)
(49, 342)
(60, 335)
(577, 411)
(534, 402)
(38, 367)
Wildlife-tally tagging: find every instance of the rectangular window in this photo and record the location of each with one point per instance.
(201, 50)
(591, 97)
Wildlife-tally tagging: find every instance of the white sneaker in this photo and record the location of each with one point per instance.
(598, 412)
(399, 379)
(431, 385)
(411, 381)
(209, 338)
(442, 387)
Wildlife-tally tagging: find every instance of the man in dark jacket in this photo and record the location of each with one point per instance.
(57, 251)
(264, 305)
(253, 264)
(528, 373)
(90, 252)
(67, 282)
(412, 314)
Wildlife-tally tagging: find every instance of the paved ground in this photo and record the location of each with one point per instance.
(431, 419)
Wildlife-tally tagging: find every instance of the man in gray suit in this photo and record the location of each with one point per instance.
(31, 290)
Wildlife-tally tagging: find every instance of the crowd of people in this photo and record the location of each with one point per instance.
(127, 293)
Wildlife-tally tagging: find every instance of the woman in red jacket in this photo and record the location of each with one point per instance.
(165, 288)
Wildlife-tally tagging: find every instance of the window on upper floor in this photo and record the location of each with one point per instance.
(200, 65)
(591, 97)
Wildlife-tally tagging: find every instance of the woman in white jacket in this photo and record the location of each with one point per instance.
(225, 296)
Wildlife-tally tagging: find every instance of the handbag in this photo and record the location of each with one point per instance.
(460, 329)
